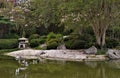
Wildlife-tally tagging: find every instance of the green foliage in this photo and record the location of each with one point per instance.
(36, 40)
(4, 20)
(77, 41)
(2, 51)
(111, 43)
(8, 43)
(34, 43)
(75, 44)
(42, 41)
(99, 52)
(29, 31)
(63, 17)
(52, 44)
(5, 26)
(34, 36)
(53, 40)
(52, 35)
(11, 36)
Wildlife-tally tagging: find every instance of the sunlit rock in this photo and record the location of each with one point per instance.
(91, 50)
(113, 54)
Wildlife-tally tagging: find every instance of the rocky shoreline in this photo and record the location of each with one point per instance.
(66, 55)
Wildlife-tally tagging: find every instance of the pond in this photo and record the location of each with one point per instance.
(60, 69)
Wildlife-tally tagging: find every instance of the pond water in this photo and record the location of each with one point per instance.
(60, 69)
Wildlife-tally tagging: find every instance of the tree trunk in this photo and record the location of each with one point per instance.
(103, 40)
(100, 38)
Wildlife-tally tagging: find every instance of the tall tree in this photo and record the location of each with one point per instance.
(17, 14)
(100, 14)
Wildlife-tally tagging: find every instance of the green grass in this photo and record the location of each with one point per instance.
(2, 51)
(99, 52)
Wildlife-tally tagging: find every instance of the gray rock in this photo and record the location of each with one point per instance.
(43, 45)
(61, 47)
(91, 50)
(113, 54)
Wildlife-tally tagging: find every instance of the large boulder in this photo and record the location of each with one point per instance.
(91, 50)
(113, 54)
(61, 47)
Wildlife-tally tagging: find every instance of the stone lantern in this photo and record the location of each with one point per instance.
(23, 43)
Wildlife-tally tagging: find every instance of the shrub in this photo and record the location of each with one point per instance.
(68, 44)
(51, 36)
(78, 44)
(54, 38)
(52, 44)
(34, 43)
(8, 43)
(77, 41)
(42, 39)
(111, 43)
(75, 44)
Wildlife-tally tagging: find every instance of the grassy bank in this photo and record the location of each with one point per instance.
(2, 51)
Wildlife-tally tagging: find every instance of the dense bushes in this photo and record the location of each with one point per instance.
(34, 36)
(53, 40)
(34, 42)
(111, 43)
(8, 43)
(72, 41)
(77, 44)
(79, 41)
(52, 44)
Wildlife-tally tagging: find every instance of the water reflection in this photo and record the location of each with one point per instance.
(91, 64)
(22, 75)
(114, 64)
(59, 69)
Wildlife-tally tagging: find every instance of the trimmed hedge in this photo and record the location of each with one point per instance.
(8, 43)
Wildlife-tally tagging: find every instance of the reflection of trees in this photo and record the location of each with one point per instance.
(71, 70)
(114, 64)
(91, 64)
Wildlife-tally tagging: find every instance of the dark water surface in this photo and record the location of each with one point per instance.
(60, 69)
